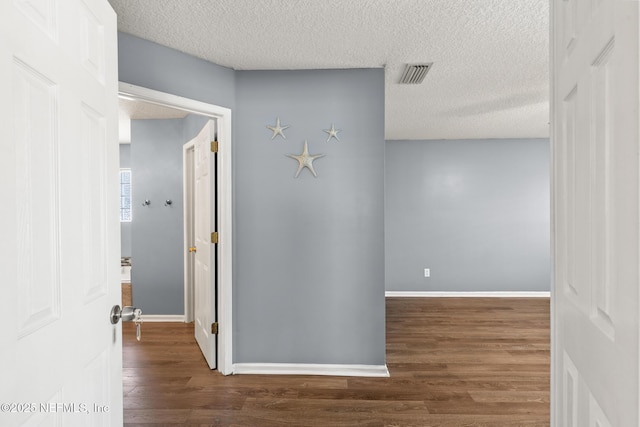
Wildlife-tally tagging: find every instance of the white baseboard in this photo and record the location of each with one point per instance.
(489, 294)
(311, 369)
(162, 317)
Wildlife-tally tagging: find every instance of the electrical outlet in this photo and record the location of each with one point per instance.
(427, 272)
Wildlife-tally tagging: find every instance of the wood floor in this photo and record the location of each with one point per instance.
(453, 362)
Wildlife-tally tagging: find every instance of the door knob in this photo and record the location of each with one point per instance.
(193, 249)
(127, 314)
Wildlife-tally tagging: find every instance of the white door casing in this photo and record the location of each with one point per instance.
(224, 211)
(204, 224)
(61, 358)
(595, 140)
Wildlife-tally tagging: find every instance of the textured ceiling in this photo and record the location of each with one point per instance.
(129, 109)
(490, 57)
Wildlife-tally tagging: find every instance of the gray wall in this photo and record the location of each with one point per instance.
(125, 227)
(309, 262)
(193, 124)
(157, 230)
(157, 278)
(308, 253)
(147, 64)
(476, 212)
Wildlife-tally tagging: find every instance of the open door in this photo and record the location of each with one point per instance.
(60, 356)
(596, 221)
(205, 243)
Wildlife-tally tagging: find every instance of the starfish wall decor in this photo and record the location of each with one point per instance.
(305, 160)
(277, 129)
(333, 133)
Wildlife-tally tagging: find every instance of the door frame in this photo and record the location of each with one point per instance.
(553, 364)
(224, 206)
(187, 191)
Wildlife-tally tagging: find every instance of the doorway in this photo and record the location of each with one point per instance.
(223, 223)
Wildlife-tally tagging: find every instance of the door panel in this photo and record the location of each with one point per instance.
(37, 227)
(596, 234)
(59, 354)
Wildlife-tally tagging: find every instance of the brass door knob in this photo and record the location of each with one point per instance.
(192, 249)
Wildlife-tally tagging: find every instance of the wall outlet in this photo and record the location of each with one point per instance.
(427, 272)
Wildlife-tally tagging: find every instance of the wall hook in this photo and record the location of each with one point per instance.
(168, 202)
(147, 202)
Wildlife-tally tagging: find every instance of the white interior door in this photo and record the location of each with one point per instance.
(60, 357)
(596, 234)
(205, 224)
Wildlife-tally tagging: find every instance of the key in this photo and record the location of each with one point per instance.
(137, 313)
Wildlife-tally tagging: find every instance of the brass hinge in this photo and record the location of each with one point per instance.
(214, 328)
(214, 146)
(214, 237)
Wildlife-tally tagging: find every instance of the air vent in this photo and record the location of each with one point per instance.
(414, 73)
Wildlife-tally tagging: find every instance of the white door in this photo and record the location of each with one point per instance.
(205, 223)
(60, 357)
(596, 223)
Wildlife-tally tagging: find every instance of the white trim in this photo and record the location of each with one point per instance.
(225, 217)
(555, 364)
(150, 318)
(225, 247)
(139, 93)
(489, 294)
(311, 369)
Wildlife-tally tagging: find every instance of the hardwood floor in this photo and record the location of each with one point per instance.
(453, 362)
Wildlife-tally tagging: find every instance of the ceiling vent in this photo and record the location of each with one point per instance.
(415, 73)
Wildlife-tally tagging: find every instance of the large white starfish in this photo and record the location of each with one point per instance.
(277, 129)
(333, 133)
(305, 160)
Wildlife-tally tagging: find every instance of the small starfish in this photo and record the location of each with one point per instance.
(333, 133)
(277, 129)
(305, 160)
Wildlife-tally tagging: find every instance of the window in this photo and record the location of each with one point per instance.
(125, 195)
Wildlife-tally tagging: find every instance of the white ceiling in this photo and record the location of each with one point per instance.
(130, 109)
(491, 57)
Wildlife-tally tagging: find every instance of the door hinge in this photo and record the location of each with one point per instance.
(214, 328)
(214, 146)
(214, 237)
